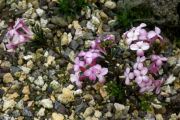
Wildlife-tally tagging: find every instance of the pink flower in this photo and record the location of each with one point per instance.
(153, 35)
(96, 43)
(156, 64)
(136, 33)
(139, 63)
(18, 35)
(141, 75)
(96, 72)
(90, 55)
(78, 64)
(129, 76)
(140, 47)
(143, 34)
(146, 86)
(158, 60)
(154, 68)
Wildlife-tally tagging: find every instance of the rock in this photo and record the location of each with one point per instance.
(97, 114)
(176, 70)
(43, 22)
(27, 112)
(170, 79)
(1, 93)
(66, 96)
(46, 103)
(60, 108)
(78, 92)
(26, 90)
(159, 117)
(76, 25)
(65, 39)
(27, 57)
(119, 107)
(2, 4)
(74, 44)
(15, 114)
(108, 114)
(88, 112)
(40, 12)
(60, 21)
(7, 78)
(30, 64)
(103, 15)
(28, 13)
(50, 61)
(149, 117)
(39, 81)
(54, 84)
(81, 107)
(20, 104)
(90, 26)
(110, 4)
(25, 69)
(119, 110)
(172, 61)
(41, 112)
(95, 20)
(56, 116)
(2, 25)
(8, 104)
(12, 96)
(14, 69)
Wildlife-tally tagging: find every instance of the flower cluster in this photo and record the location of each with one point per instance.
(17, 35)
(85, 64)
(139, 40)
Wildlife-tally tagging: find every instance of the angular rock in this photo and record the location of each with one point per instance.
(60, 21)
(27, 112)
(110, 4)
(66, 96)
(7, 78)
(46, 103)
(56, 116)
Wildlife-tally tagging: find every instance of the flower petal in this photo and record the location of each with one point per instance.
(134, 47)
(157, 30)
(145, 46)
(151, 34)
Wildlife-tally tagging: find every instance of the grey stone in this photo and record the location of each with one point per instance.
(81, 107)
(88, 36)
(1, 93)
(74, 44)
(59, 107)
(27, 112)
(15, 113)
(60, 21)
(83, 23)
(14, 69)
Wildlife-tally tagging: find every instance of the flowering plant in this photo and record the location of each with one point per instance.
(144, 72)
(17, 35)
(139, 40)
(85, 64)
